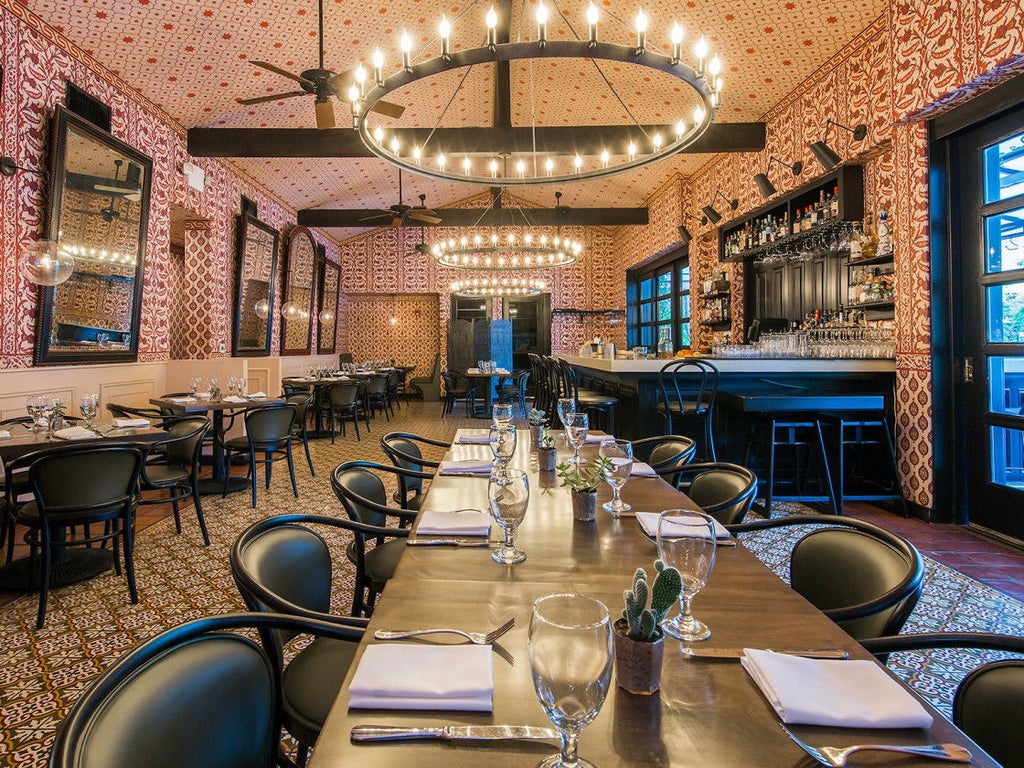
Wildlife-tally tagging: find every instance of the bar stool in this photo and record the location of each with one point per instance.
(799, 432)
(859, 431)
(588, 400)
(687, 389)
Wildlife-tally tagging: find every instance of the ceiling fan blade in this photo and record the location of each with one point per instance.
(424, 216)
(284, 72)
(339, 80)
(324, 114)
(275, 97)
(388, 109)
(376, 216)
(397, 221)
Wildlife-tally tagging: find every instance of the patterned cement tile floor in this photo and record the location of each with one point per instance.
(91, 624)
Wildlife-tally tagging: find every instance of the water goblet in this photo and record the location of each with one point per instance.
(508, 493)
(565, 406)
(88, 408)
(194, 384)
(686, 541)
(502, 413)
(576, 428)
(502, 440)
(35, 406)
(570, 647)
(620, 454)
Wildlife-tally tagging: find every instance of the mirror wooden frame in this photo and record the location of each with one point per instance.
(82, 342)
(328, 284)
(299, 278)
(256, 254)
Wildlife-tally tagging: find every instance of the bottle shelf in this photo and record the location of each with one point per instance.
(884, 259)
(716, 295)
(718, 324)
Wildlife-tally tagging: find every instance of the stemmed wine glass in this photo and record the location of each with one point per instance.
(620, 454)
(88, 408)
(36, 406)
(508, 491)
(502, 440)
(686, 541)
(566, 406)
(570, 646)
(502, 413)
(194, 384)
(577, 426)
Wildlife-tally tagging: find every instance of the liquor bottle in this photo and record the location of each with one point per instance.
(833, 203)
(665, 349)
(884, 233)
(856, 242)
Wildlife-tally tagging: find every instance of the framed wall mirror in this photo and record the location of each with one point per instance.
(255, 267)
(297, 306)
(98, 211)
(327, 312)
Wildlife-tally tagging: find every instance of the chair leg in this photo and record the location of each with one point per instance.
(177, 512)
(268, 465)
(129, 560)
(44, 577)
(355, 421)
(252, 476)
(291, 469)
(309, 459)
(199, 508)
(771, 471)
(824, 468)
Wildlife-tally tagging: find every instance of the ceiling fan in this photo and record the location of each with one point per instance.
(399, 214)
(116, 192)
(322, 83)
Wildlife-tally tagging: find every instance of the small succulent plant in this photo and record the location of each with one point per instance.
(536, 417)
(643, 621)
(548, 438)
(589, 479)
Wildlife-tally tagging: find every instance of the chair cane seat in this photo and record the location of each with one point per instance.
(164, 475)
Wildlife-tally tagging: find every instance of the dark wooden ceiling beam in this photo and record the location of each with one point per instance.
(468, 217)
(345, 142)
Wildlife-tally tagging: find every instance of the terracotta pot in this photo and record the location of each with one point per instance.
(637, 662)
(584, 506)
(547, 458)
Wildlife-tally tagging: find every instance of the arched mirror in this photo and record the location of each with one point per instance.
(297, 306)
(327, 316)
(98, 211)
(254, 280)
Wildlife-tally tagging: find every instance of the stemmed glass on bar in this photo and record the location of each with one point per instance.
(570, 646)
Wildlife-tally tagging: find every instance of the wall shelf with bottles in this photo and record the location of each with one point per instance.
(814, 209)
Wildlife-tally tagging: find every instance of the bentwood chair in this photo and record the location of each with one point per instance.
(172, 465)
(14, 489)
(724, 491)
(280, 565)
(359, 487)
(268, 431)
(377, 395)
(512, 389)
(343, 402)
(77, 485)
(988, 693)
(131, 412)
(687, 390)
(195, 696)
(404, 450)
(300, 431)
(864, 578)
(454, 391)
(666, 455)
(598, 404)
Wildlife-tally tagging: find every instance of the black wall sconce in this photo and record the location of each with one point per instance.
(710, 214)
(764, 184)
(8, 167)
(684, 234)
(825, 154)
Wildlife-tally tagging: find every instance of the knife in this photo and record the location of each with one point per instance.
(737, 653)
(451, 732)
(448, 542)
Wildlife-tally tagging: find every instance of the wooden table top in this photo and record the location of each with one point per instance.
(707, 712)
(23, 440)
(202, 406)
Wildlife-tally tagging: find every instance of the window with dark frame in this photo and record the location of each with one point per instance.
(658, 298)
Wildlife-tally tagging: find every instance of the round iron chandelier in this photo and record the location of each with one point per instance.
(516, 165)
(494, 286)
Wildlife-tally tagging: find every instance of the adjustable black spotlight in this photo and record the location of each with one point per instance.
(825, 154)
(709, 210)
(764, 185)
(684, 234)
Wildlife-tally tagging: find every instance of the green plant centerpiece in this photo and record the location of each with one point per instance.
(639, 640)
(584, 480)
(547, 455)
(537, 420)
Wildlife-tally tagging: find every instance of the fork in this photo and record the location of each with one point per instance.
(477, 638)
(836, 757)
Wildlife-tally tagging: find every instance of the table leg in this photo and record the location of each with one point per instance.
(215, 483)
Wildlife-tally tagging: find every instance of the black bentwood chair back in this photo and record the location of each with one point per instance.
(864, 578)
(986, 696)
(403, 448)
(281, 566)
(687, 390)
(724, 491)
(268, 431)
(173, 464)
(195, 696)
(666, 454)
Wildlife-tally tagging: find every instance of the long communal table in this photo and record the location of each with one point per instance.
(707, 713)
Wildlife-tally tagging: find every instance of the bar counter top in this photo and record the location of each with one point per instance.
(741, 365)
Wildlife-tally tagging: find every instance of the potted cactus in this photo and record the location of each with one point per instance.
(537, 420)
(584, 482)
(547, 454)
(638, 637)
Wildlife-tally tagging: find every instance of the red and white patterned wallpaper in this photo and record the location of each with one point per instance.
(413, 339)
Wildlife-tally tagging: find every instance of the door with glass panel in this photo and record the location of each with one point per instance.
(992, 366)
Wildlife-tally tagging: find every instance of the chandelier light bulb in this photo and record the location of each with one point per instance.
(715, 66)
(577, 163)
(676, 36)
(701, 51)
(360, 76)
(521, 169)
(656, 141)
(393, 320)
(491, 20)
(641, 31)
(441, 160)
(698, 114)
(394, 145)
(593, 15)
(405, 44)
(445, 30)
(493, 168)
(549, 165)
(416, 154)
(542, 24)
(631, 151)
(494, 238)
(378, 66)
(353, 94)
(604, 158)
(467, 164)
(378, 134)
(680, 129)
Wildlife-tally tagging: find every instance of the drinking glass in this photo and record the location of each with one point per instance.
(502, 439)
(576, 428)
(570, 646)
(194, 384)
(686, 541)
(566, 405)
(35, 406)
(508, 492)
(620, 454)
(88, 407)
(502, 413)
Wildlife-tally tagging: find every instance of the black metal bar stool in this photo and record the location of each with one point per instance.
(859, 433)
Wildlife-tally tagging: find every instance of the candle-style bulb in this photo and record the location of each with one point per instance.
(701, 50)
(549, 165)
(444, 29)
(542, 24)
(521, 168)
(360, 76)
(417, 155)
(715, 66)
(631, 151)
(604, 158)
(493, 167)
(676, 36)
(405, 44)
(577, 163)
(378, 66)
(466, 165)
(441, 160)
(680, 129)
(593, 16)
(698, 114)
(394, 145)
(641, 32)
(491, 20)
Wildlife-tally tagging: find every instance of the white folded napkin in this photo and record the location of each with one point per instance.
(843, 694)
(183, 400)
(74, 433)
(4, 434)
(640, 469)
(234, 399)
(472, 370)
(474, 467)
(463, 522)
(126, 423)
(203, 395)
(649, 522)
(597, 439)
(257, 395)
(415, 676)
(502, 370)
(472, 436)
